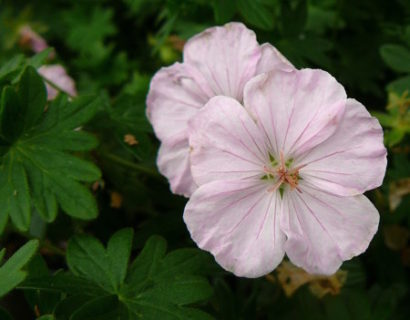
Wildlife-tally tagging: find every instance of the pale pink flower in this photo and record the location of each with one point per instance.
(218, 61)
(30, 38)
(285, 173)
(57, 75)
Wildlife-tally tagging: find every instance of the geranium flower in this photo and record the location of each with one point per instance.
(285, 173)
(218, 61)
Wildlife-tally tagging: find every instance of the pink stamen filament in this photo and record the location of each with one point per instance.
(284, 175)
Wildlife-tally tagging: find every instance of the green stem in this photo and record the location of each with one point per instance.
(132, 165)
(52, 248)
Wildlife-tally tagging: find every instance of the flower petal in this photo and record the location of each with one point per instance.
(225, 56)
(298, 110)
(225, 143)
(57, 75)
(324, 230)
(173, 163)
(272, 59)
(174, 97)
(353, 159)
(237, 221)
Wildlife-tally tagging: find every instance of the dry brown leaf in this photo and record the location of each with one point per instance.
(130, 140)
(116, 200)
(292, 278)
(398, 189)
(396, 237)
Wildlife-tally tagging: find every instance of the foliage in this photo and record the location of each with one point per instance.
(156, 285)
(93, 156)
(35, 169)
(10, 272)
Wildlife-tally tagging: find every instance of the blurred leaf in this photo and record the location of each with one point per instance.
(259, 13)
(293, 16)
(86, 29)
(400, 85)
(11, 273)
(320, 19)
(224, 10)
(397, 57)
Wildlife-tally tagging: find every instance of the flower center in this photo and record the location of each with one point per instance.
(282, 173)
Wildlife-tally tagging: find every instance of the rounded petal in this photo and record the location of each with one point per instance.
(173, 163)
(297, 110)
(353, 159)
(324, 230)
(237, 221)
(173, 98)
(271, 59)
(225, 56)
(225, 143)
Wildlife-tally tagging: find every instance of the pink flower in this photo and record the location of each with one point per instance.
(31, 39)
(57, 75)
(285, 173)
(218, 61)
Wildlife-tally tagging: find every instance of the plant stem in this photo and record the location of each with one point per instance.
(132, 165)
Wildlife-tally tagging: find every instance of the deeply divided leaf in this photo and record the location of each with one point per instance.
(36, 169)
(11, 273)
(156, 286)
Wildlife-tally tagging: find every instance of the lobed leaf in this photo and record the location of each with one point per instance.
(11, 273)
(36, 169)
(100, 286)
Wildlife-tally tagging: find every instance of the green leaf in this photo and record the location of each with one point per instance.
(259, 13)
(11, 273)
(12, 115)
(42, 301)
(11, 68)
(33, 96)
(386, 120)
(14, 195)
(400, 85)
(397, 57)
(119, 251)
(224, 10)
(36, 169)
(157, 286)
(293, 16)
(86, 257)
(40, 58)
(102, 308)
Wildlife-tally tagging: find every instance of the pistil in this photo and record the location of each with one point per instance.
(284, 174)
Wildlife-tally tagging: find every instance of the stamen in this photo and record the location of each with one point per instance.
(276, 185)
(284, 174)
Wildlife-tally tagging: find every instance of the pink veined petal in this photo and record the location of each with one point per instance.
(323, 230)
(174, 97)
(353, 160)
(238, 222)
(271, 59)
(297, 110)
(225, 56)
(225, 143)
(173, 162)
